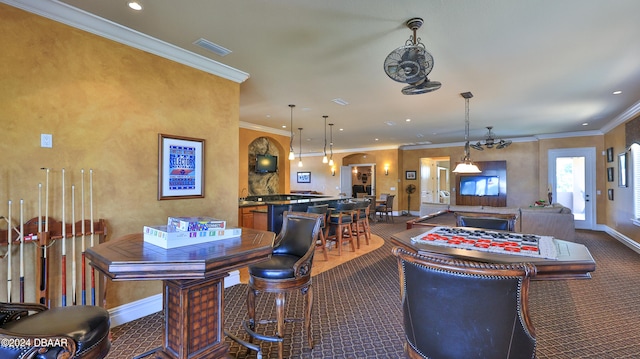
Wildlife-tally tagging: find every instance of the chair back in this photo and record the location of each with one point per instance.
(462, 309)
(389, 203)
(299, 233)
(322, 209)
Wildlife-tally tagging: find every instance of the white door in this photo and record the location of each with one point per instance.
(345, 180)
(572, 182)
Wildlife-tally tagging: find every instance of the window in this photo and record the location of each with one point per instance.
(635, 182)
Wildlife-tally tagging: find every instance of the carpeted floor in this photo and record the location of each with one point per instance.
(357, 313)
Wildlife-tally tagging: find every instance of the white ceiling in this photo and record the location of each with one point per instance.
(535, 68)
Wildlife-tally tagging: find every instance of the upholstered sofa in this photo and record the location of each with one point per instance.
(555, 220)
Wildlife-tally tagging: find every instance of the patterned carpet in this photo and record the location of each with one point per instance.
(357, 313)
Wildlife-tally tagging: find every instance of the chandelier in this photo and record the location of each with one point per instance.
(466, 166)
(491, 142)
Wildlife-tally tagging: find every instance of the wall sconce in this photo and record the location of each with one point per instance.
(386, 170)
(333, 171)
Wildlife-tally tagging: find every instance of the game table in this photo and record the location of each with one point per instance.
(572, 261)
(448, 218)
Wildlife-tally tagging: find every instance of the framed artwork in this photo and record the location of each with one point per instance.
(410, 175)
(610, 154)
(610, 194)
(609, 174)
(180, 167)
(304, 177)
(622, 170)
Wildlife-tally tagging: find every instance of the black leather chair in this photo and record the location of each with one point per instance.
(461, 309)
(31, 331)
(288, 268)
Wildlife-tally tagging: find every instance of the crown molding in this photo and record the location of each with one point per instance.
(627, 115)
(79, 19)
(275, 131)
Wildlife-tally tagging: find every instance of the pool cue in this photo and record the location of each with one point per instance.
(21, 251)
(43, 255)
(43, 242)
(9, 236)
(73, 245)
(64, 249)
(83, 276)
(93, 271)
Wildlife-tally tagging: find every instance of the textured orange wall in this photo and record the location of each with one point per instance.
(105, 104)
(246, 136)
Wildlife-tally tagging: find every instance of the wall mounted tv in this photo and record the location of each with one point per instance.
(480, 186)
(266, 163)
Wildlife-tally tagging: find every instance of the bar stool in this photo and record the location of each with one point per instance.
(361, 221)
(322, 209)
(288, 269)
(340, 222)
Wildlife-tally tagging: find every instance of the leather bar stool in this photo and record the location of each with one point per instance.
(361, 221)
(63, 332)
(324, 210)
(288, 269)
(340, 222)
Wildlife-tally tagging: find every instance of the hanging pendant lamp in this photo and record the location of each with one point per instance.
(292, 155)
(331, 145)
(466, 166)
(300, 158)
(325, 159)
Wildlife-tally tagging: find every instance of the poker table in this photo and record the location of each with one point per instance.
(572, 260)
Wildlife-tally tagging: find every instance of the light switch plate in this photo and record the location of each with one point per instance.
(46, 140)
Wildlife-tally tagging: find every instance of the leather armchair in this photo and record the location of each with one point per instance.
(462, 309)
(31, 331)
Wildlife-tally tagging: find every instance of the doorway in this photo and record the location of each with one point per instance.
(360, 177)
(434, 180)
(572, 182)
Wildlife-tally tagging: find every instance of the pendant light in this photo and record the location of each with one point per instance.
(466, 166)
(292, 155)
(331, 145)
(300, 158)
(325, 159)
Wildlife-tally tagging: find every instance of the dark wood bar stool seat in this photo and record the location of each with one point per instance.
(361, 221)
(64, 332)
(288, 269)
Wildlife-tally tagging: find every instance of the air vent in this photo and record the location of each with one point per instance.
(340, 101)
(215, 48)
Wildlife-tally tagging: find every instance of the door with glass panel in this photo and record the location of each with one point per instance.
(572, 182)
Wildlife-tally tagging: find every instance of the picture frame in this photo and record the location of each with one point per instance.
(610, 154)
(304, 177)
(180, 167)
(609, 174)
(610, 194)
(622, 169)
(410, 175)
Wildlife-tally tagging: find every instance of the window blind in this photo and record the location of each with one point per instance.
(635, 175)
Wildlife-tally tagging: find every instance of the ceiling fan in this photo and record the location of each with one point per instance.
(412, 63)
(490, 142)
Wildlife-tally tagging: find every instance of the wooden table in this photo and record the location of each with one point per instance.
(193, 279)
(574, 259)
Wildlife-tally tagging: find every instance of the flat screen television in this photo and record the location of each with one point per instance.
(480, 186)
(266, 163)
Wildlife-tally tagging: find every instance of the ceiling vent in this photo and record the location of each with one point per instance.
(215, 48)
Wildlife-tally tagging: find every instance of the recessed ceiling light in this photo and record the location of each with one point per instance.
(135, 5)
(377, 139)
(408, 120)
(585, 124)
(342, 129)
(617, 92)
(390, 123)
(284, 126)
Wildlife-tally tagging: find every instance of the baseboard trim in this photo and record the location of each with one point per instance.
(635, 246)
(153, 304)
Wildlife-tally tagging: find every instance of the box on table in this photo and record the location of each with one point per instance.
(196, 223)
(169, 237)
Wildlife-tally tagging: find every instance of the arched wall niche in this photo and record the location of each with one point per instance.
(265, 183)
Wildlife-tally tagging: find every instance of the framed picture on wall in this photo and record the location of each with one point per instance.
(410, 175)
(609, 174)
(610, 194)
(622, 170)
(304, 177)
(610, 154)
(180, 167)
